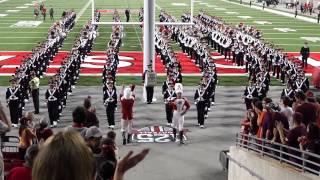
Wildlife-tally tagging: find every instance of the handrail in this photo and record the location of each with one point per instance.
(281, 152)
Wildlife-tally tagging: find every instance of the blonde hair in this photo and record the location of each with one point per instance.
(64, 156)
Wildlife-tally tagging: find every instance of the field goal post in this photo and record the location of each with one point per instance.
(148, 28)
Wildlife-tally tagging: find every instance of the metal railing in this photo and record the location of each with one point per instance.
(303, 160)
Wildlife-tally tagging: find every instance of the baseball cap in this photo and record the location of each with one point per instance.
(93, 131)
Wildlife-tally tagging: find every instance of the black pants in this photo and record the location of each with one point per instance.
(149, 94)
(51, 17)
(35, 97)
(201, 111)
(304, 62)
(169, 113)
(53, 110)
(110, 114)
(128, 18)
(15, 113)
(276, 70)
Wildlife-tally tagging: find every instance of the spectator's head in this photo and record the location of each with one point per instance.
(272, 107)
(313, 131)
(64, 156)
(31, 154)
(266, 101)
(300, 96)
(254, 100)
(107, 168)
(43, 123)
(297, 118)
(87, 103)
(111, 135)
(258, 107)
(79, 115)
(285, 101)
(93, 137)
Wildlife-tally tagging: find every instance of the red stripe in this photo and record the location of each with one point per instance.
(156, 129)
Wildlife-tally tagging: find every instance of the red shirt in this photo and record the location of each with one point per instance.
(20, 173)
(127, 105)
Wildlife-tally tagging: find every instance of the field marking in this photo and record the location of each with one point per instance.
(285, 29)
(83, 10)
(312, 39)
(281, 13)
(2, 1)
(13, 10)
(22, 7)
(3, 15)
(179, 4)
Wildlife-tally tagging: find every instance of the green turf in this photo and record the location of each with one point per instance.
(187, 80)
(16, 39)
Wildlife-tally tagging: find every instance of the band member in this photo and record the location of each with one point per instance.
(168, 96)
(288, 92)
(180, 106)
(250, 93)
(127, 101)
(34, 87)
(149, 86)
(200, 100)
(305, 53)
(52, 99)
(14, 98)
(110, 101)
(127, 12)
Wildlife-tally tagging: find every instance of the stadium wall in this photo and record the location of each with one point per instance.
(248, 165)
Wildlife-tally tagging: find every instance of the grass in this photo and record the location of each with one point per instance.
(187, 80)
(25, 39)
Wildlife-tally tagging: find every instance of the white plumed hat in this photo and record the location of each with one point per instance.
(178, 88)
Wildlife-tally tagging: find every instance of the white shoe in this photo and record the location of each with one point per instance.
(198, 124)
(168, 124)
(206, 116)
(209, 109)
(112, 127)
(212, 103)
(69, 93)
(73, 87)
(202, 126)
(15, 125)
(55, 123)
(26, 100)
(51, 126)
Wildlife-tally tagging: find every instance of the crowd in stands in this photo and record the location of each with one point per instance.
(304, 7)
(296, 125)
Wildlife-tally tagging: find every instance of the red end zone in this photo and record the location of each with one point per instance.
(131, 63)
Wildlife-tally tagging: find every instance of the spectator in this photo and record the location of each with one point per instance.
(287, 110)
(93, 138)
(26, 136)
(311, 143)
(5, 126)
(258, 108)
(43, 132)
(297, 131)
(106, 162)
(25, 172)
(91, 118)
(64, 156)
(59, 159)
(318, 110)
(112, 135)
(79, 119)
(51, 12)
(307, 109)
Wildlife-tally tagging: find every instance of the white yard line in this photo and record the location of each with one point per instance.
(82, 11)
(302, 18)
(138, 37)
(2, 1)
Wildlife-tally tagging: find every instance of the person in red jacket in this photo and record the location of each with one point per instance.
(24, 172)
(127, 101)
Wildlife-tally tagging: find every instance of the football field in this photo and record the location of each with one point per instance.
(20, 33)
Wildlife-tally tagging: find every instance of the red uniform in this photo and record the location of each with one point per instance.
(127, 105)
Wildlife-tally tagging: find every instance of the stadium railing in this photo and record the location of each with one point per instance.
(303, 160)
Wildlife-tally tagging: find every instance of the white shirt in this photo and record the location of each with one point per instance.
(288, 112)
